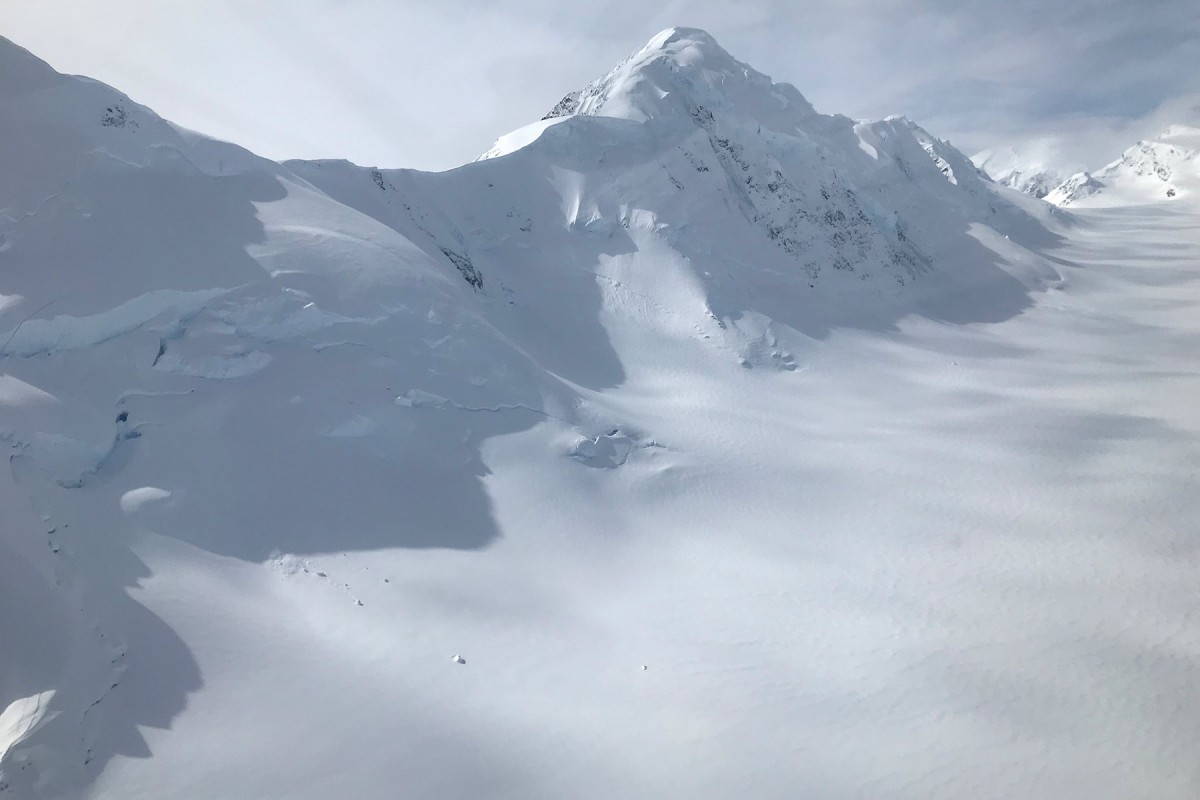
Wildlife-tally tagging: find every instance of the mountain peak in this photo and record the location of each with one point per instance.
(677, 35)
(1154, 170)
(679, 70)
(689, 47)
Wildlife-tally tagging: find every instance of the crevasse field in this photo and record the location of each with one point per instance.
(737, 450)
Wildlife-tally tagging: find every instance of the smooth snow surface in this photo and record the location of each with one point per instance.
(889, 473)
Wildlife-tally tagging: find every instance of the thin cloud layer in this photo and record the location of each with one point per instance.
(414, 84)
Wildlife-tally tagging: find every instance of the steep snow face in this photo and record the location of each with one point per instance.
(680, 70)
(684, 133)
(1165, 168)
(147, 216)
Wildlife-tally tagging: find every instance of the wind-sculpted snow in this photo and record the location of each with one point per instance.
(689, 443)
(180, 310)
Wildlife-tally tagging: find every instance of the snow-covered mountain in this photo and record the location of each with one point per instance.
(766, 201)
(1164, 168)
(1024, 172)
(682, 444)
(1036, 182)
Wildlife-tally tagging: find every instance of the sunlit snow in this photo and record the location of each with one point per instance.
(731, 449)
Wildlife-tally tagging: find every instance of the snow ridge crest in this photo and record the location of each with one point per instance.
(676, 71)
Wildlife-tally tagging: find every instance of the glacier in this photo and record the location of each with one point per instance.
(689, 442)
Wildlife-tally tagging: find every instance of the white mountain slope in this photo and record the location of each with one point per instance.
(1165, 168)
(734, 448)
(1024, 172)
(813, 220)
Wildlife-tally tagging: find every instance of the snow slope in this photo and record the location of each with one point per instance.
(1165, 168)
(735, 447)
(770, 203)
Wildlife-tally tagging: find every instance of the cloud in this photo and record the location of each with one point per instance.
(404, 83)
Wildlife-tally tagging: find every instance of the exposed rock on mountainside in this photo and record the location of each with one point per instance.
(1165, 168)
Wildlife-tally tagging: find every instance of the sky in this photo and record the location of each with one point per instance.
(399, 83)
